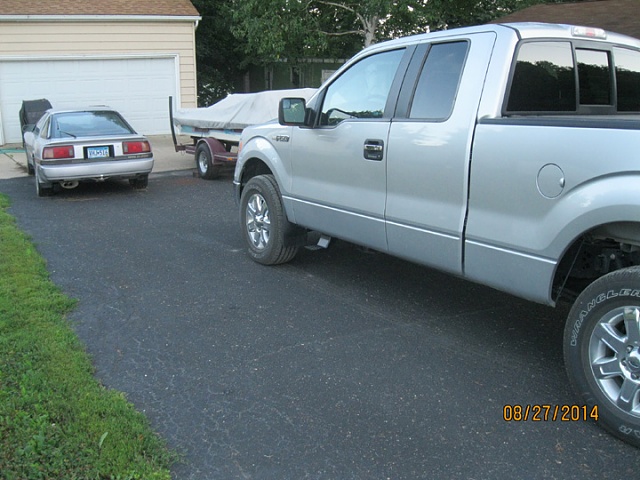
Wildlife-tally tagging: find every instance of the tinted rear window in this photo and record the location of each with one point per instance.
(627, 79)
(594, 77)
(88, 124)
(544, 79)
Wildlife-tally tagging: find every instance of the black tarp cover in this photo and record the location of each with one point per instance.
(32, 110)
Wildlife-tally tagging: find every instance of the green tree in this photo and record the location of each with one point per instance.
(235, 34)
(218, 52)
(459, 13)
(276, 29)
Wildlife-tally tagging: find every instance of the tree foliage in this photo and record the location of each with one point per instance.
(234, 34)
(217, 51)
(276, 29)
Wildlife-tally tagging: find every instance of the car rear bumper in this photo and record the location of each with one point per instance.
(95, 171)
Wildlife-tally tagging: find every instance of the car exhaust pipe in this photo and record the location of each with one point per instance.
(69, 184)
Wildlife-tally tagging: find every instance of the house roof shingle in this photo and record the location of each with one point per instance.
(181, 8)
(621, 16)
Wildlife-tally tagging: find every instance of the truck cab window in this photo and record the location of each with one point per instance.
(543, 79)
(594, 77)
(627, 79)
(362, 90)
(438, 83)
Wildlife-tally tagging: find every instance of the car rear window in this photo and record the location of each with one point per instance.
(89, 124)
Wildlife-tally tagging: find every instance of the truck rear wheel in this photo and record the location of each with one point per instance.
(602, 352)
(264, 224)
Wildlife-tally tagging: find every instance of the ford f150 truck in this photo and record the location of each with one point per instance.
(505, 154)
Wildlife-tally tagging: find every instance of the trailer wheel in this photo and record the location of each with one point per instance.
(204, 163)
(602, 352)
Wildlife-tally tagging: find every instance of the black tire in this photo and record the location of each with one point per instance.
(42, 189)
(139, 183)
(30, 169)
(204, 163)
(602, 352)
(266, 230)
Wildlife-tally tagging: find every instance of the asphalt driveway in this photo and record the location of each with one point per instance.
(344, 364)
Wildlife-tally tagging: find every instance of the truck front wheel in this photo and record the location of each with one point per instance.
(265, 227)
(602, 352)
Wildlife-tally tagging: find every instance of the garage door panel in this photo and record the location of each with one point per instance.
(137, 87)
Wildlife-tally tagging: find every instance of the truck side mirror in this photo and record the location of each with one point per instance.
(291, 111)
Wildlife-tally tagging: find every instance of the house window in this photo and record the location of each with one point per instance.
(268, 78)
(326, 74)
(297, 77)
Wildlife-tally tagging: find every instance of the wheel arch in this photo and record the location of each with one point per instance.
(259, 157)
(595, 252)
(595, 219)
(213, 145)
(251, 167)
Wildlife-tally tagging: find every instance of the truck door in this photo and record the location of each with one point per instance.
(339, 165)
(430, 149)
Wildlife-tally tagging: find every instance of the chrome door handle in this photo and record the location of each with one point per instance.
(374, 150)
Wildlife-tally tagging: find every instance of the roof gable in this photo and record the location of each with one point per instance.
(179, 8)
(621, 16)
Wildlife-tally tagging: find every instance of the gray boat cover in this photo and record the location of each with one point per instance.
(238, 110)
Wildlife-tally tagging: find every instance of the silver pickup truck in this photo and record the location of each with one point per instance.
(505, 154)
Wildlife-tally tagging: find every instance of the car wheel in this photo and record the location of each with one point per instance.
(139, 183)
(42, 189)
(30, 169)
(267, 232)
(602, 352)
(204, 163)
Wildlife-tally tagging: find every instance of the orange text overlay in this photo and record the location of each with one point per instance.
(549, 413)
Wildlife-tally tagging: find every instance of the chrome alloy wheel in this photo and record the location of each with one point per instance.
(257, 220)
(203, 161)
(614, 354)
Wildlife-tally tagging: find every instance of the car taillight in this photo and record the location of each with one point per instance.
(136, 147)
(53, 153)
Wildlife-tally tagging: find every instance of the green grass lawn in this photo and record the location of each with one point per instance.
(56, 420)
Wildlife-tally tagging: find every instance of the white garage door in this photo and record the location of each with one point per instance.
(137, 87)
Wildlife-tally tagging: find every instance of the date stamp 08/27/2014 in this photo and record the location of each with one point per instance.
(549, 413)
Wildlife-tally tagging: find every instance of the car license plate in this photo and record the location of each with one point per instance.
(98, 152)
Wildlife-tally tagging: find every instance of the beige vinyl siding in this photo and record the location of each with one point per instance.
(37, 39)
